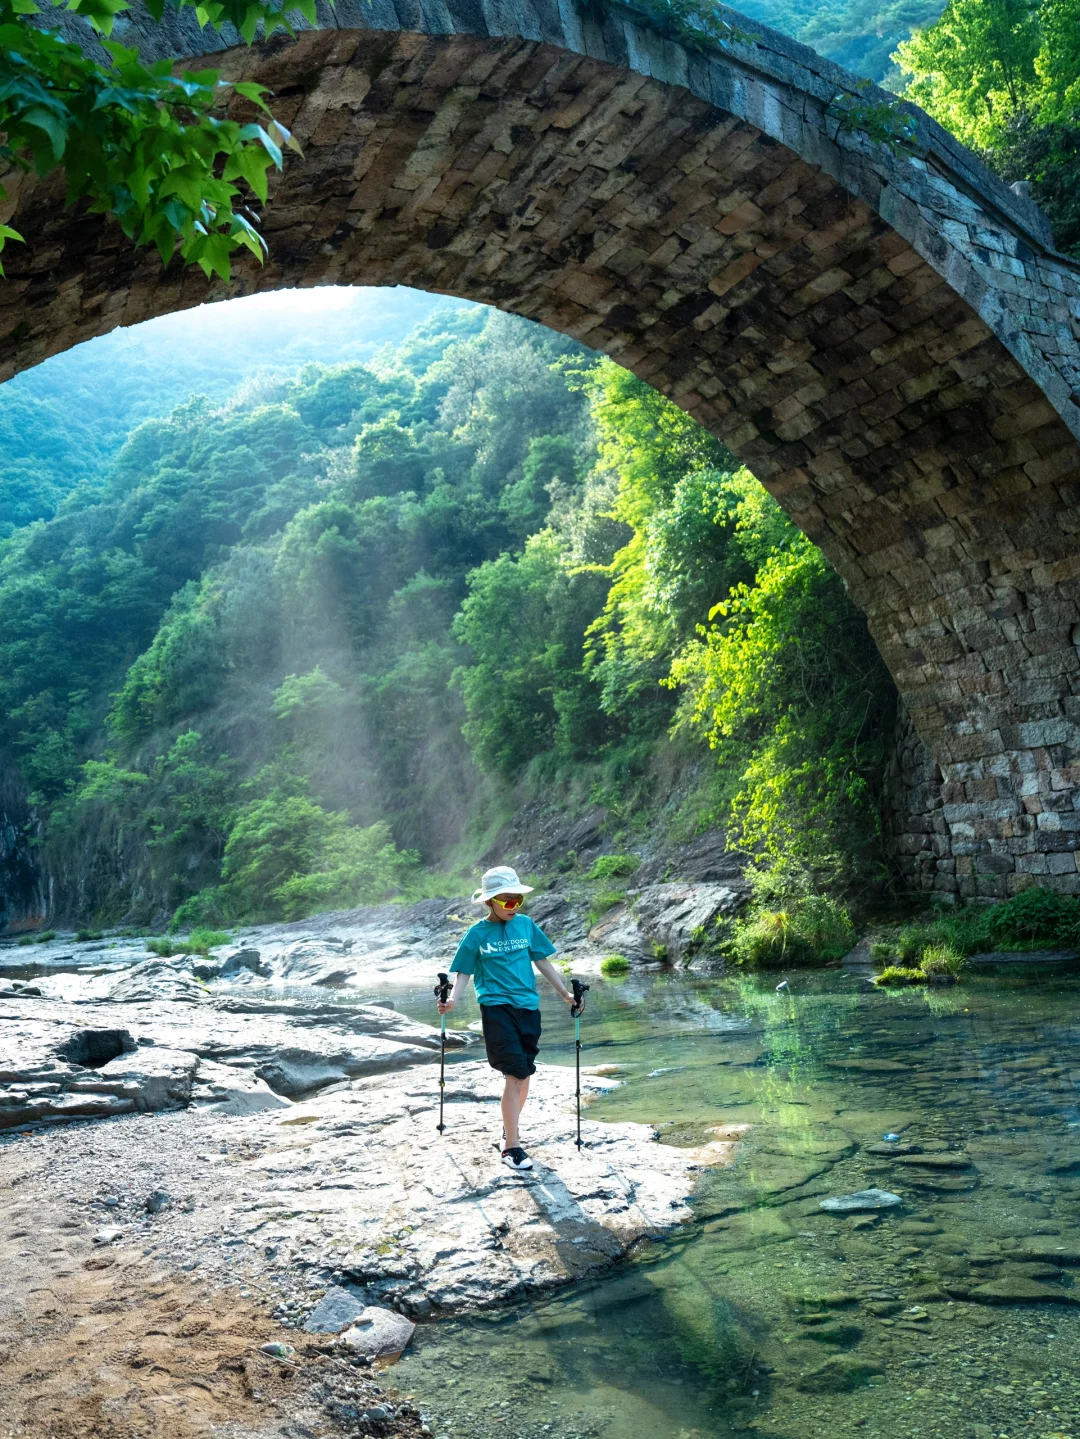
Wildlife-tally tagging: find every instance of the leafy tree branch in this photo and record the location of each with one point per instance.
(152, 149)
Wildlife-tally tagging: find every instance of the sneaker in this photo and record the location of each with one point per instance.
(516, 1158)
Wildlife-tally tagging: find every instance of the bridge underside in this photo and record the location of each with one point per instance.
(744, 282)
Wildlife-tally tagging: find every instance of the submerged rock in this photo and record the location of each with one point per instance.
(1015, 1290)
(934, 1161)
(1049, 1249)
(839, 1374)
(863, 1201)
(1018, 957)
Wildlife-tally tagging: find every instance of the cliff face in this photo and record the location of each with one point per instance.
(24, 888)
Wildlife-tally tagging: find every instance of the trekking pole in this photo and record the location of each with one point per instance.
(580, 991)
(442, 994)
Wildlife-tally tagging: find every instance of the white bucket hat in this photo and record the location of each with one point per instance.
(500, 880)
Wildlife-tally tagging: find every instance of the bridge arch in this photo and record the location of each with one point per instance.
(889, 341)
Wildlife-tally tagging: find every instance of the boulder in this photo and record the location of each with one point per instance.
(232, 1091)
(154, 980)
(668, 921)
(294, 1071)
(155, 1078)
(239, 961)
(378, 1334)
(1050, 1249)
(704, 859)
(339, 1308)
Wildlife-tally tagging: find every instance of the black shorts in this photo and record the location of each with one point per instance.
(512, 1038)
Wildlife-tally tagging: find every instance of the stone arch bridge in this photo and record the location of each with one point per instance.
(889, 341)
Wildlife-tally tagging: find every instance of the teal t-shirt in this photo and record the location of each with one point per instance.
(499, 956)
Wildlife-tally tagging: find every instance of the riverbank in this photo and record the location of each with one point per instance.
(184, 1180)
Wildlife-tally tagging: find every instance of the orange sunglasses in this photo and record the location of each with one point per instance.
(511, 901)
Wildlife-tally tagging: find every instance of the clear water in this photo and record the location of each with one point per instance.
(766, 1314)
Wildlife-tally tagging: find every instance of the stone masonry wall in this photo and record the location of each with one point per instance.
(888, 341)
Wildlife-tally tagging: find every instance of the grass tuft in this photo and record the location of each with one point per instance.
(897, 974)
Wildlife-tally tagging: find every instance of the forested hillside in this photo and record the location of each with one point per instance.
(296, 646)
(861, 35)
(62, 423)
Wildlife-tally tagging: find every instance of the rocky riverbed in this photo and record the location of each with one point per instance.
(197, 1162)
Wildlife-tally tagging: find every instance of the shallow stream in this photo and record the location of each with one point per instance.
(767, 1314)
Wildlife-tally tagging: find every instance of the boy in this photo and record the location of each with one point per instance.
(499, 953)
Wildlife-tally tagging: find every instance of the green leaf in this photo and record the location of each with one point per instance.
(213, 257)
(6, 234)
(253, 92)
(99, 13)
(256, 132)
(250, 164)
(55, 126)
(25, 7)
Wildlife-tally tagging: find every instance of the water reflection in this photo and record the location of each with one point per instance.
(954, 1315)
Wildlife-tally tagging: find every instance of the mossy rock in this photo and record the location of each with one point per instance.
(839, 1375)
(810, 1300)
(842, 1335)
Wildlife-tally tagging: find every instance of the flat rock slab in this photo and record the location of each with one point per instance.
(243, 1055)
(869, 1066)
(354, 1190)
(863, 1201)
(1025, 956)
(931, 1161)
(1049, 1249)
(1020, 1291)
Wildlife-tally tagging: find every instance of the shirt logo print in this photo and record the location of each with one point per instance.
(495, 947)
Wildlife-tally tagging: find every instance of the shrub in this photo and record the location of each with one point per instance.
(202, 941)
(613, 866)
(45, 936)
(880, 953)
(604, 900)
(897, 974)
(812, 930)
(614, 964)
(939, 960)
(912, 940)
(199, 941)
(166, 948)
(1033, 915)
(26, 939)
(83, 936)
